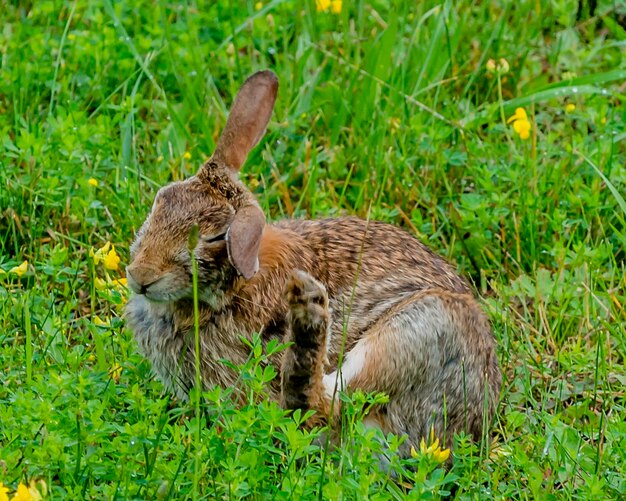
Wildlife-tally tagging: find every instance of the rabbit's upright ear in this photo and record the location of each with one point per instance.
(244, 238)
(248, 119)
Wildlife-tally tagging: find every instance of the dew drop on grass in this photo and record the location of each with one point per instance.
(575, 90)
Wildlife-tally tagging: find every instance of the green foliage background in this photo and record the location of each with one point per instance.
(385, 110)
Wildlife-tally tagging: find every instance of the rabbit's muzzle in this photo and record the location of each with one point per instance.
(155, 286)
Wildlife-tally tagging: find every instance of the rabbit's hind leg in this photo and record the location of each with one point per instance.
(303, 362)
(433, 355)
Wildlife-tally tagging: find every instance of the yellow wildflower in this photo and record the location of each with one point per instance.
(333, 5)
(92, 182)
(107, 255)
(258, 6)
(120, 282)
(20, 270)
(570, 107)
(433, 450)
(116, 372)
(497, 452)
(502, 66)
(111, 260)
(4, 492)
(522, 127)
(521, 124)
(187, 155)
(100, 284)
(520, 114)
(23, 493)
(321, 5)
(34, 492)
(71, 36)
(98, 255)
(98, 321)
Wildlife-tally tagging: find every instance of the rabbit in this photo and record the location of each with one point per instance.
(367, 294)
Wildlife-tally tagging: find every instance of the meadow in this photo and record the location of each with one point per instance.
(492, 131)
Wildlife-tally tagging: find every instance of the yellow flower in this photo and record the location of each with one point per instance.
(120, 282)
(333, 5)
(116, 372)
(521, 124)
(23, 493)
(522, 127)
(520, 114)
(322, 5)
(570, 107)
(92, 182)
(98, 255)
(187, 155)
(107, 255)
(4, 492)
(100, 284)
(111, 260)
(34, 492)
(502, 66)
(98, 321)
(441, 455)
(20, 270)
(71, 36)
(433, 450)
(258, 6)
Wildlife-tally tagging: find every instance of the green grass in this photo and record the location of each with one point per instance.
(386, 110)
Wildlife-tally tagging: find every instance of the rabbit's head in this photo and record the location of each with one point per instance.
(229, 220)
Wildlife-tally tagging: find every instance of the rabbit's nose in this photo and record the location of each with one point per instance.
(141, 277)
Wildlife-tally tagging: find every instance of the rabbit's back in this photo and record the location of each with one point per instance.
(372, 252)
(368, 267)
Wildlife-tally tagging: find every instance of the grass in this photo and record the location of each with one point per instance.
(384, 109)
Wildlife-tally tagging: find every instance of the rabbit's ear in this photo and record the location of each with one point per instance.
(243, 239)
(248, 119)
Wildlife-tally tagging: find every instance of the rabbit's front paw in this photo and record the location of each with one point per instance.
(308, 305)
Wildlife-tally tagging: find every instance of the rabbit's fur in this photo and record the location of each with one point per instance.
(409, 325)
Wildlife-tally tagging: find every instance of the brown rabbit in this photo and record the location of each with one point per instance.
(409, 325)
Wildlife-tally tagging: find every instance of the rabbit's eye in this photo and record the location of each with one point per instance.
(216, 238)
